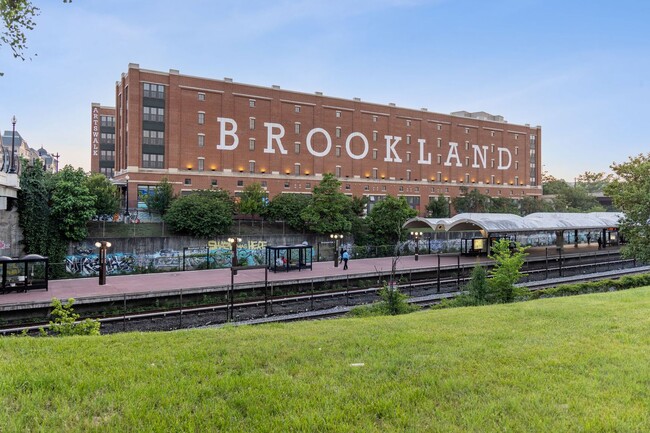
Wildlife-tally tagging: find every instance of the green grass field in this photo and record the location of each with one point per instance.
(578, 364)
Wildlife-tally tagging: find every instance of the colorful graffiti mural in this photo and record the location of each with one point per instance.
(85, 262)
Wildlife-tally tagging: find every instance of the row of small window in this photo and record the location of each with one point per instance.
(156, 138)
(153, 160)
(153, 114)
(107, 138)
(108, 121)
(156, 91)
(107, 171)
(107, 155)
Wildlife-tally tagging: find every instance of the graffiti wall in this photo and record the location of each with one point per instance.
(85, 260)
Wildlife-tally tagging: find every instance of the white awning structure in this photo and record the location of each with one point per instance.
(510, 223)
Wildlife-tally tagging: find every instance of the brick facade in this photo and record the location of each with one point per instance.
(183, 127)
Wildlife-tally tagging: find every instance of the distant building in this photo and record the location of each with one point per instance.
(22, 150)
(203, 133)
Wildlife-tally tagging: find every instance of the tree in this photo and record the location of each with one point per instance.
(72, 204)
(438, 207)
(253, 200)
(17, 18)
(503, 205)
(202, 213)
(531, 204)
(630, 192)
(33, 207)
(288, 207)
(160, 199)
(470, 201)
(506, 271)
(594, 182)
(107, 195)
(386, 218)
(329, 210)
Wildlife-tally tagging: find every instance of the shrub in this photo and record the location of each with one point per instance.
(392, 303)
(66, 321)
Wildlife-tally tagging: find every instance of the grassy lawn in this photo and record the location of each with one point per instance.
(555, 365)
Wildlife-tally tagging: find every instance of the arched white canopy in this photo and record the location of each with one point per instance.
(510, 223)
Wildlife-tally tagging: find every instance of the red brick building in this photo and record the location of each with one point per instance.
(204, 133)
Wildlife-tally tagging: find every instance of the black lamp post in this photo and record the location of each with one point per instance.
(103, 246)
(126, 212)
(12, 169)
(337, 238)
(416, 236)
(233, 243)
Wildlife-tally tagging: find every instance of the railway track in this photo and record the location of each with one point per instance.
(326, 304)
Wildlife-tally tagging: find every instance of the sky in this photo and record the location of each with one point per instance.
(578, 68)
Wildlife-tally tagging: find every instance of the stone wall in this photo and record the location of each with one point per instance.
(10, 234)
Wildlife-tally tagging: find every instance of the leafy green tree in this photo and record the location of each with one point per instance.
(329, 210)
(577, 199)
(476, 291)
(531, 204)
(594, 182)
(506, 271)
(386, 219)
(202, 213)
(288, 207)
(470, 201)
(72, 204)
(630, 192)
(17, 18)
(253, 200)
(33, 207)
(66, 321)
(160, 199)
(359, 205)
(107, 195)
(553, 186)
(438, 207)
(503, 205)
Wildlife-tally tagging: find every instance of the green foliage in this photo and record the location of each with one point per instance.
(569, 198)
(530, 204)
(438, 207)
(107, 195)
(252, 200)
(160, 199)
(503, 205)
(72, 205)
(202, 213)
(470, 201)
(288, 208)
(65, 320)
(506, 271)
(386, 218)
(594, 182)
(329, 210)
(630, 193)
(359, 205)
(393, 302)
(33, 208)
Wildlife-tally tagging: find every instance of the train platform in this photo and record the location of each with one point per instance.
(117, 287)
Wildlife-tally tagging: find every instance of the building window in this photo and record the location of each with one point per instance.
(156, 91)
(297, 127)
(200, 164)
(439, 176)
(107, 138)
(338, 114)
(491, 133)
(408, 174)
(516, 165)
(296, 169)
(516, 150)
(439, 127)
(516, 136)
(492, 179)
(188, 181)
(374, 119)
(439, 158)
(251, 123)
(286, 184)
(492, 163)
(201, 118)
(439, 141)
(201, 140)
(240, 183)
(347, 186)
(466, 130)
(466, 178)
(374, 153)
(296, 147)
(338, 150)
(214, 182)
(467, 161)
(516, 180)
(491, 148)
(467, 145)
(338, 132)
(201, 96)
(374, 135)
(153, 114)
(107, 121)
(401, 189)
(152, 160)
(408, 123)
(366, 188)
(308, 185)
(338, 171)
(408, 156)
(417, 189)
(383, 187)
(408, 139)
(107, 155)
(251, 144)
(297, 108)
(264, 184)
(374, 173)
(251, 166)
(156, 138)
(251, 103)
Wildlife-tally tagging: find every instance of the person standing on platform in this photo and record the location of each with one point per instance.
(600, 243)
(346, 257)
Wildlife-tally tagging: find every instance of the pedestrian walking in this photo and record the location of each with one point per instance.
(600, 243)
(346, 257)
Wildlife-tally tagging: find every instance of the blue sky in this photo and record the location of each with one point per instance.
(580, 69)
